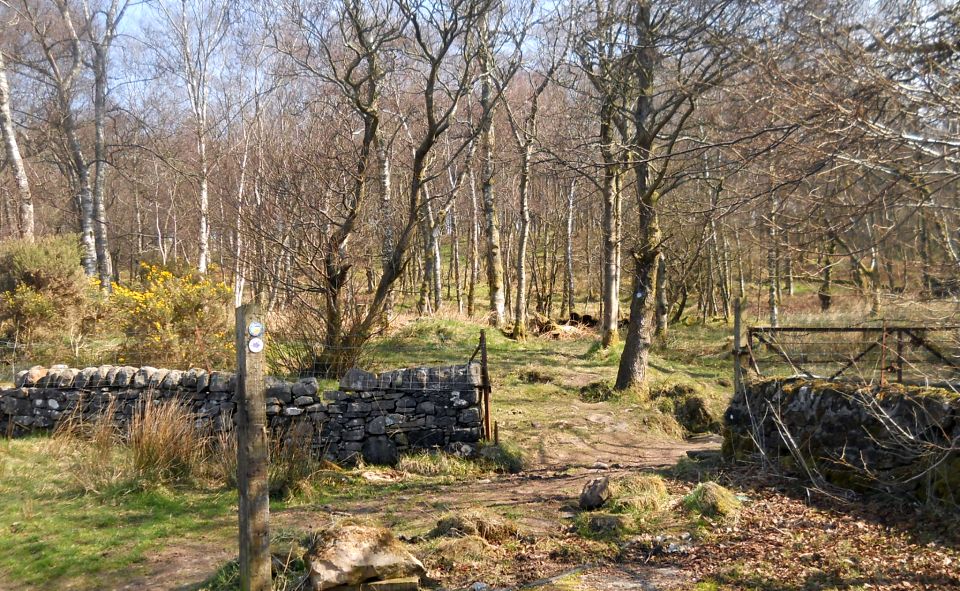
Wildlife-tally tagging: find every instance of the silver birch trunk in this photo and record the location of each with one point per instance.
(495, 277)
(25, 219)
(569, 256)
(520, 310)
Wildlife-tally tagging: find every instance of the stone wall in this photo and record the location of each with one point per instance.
(900, 439)
(372, 416)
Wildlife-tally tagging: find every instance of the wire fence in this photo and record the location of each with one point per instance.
(907, 354)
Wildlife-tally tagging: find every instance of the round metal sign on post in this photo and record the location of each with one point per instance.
(255, 329)
(255, 345)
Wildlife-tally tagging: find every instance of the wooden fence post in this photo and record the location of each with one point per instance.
(485, 378)
(252, 452)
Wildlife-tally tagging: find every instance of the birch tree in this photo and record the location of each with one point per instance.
(25, 221)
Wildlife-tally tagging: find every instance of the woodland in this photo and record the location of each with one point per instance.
(636, 162)
(611, 192)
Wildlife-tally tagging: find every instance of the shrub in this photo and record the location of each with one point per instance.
(175, 320)
(42, 286)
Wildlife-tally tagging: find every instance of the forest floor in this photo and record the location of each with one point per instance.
(784, 538)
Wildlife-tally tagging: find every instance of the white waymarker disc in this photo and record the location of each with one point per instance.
(255, 329)
(256, 345)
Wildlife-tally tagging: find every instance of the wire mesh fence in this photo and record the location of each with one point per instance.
(908, 354)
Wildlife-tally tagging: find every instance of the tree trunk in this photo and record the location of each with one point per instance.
(473, 249)
(569, 295)
(825, 293)
(104, 264)
(660, 319)
(610, 286)
(520, 311)
(25, 220)
(772, 266)
(495, 278)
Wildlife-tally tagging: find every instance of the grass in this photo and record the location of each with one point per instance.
(65, 530)
(54, 534)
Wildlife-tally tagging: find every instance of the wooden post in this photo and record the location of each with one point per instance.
(485, 378)
(899, 356)
(737, 347)
(252, 452)
(883, 355)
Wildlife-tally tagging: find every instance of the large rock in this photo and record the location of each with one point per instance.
(356, 554)
(595, 493)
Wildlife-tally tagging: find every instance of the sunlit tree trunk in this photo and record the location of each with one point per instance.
(25, 220)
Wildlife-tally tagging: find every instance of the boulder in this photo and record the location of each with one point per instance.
(356, 554)
(595, 493)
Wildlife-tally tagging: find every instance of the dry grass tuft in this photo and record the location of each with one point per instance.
(486, 525)
(642, 493)
(164, 442)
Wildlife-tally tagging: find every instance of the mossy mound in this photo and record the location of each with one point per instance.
(689, 403)
(641, 493)
(488, 526)
(597, 392)
(712, 500)
(451, 553)
(604, 526)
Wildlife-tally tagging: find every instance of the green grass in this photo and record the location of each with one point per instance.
(54, 535)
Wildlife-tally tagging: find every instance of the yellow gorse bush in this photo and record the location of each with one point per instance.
(175, 320)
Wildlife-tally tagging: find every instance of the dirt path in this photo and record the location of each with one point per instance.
(541, 498)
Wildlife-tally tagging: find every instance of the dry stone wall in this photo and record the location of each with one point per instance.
(376, 417)
(901, 439)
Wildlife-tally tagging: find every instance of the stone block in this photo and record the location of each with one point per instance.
(305, 387)
(356, 380)
(304, 400)
(470, 416)
(292, 411)
(156, 380)
(171, 381)
(203, 381)
(141, 377)
(359, 407)
(352, 435)
(426, 407)
(189, 378)
(381, 451)
(377, 426)
(469, 435)
(222, 381)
